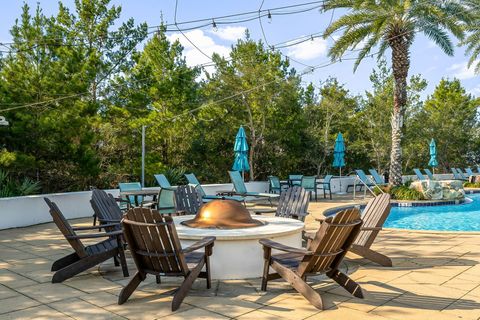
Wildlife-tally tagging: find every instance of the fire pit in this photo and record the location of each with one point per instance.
(223, 214)
(236, 253)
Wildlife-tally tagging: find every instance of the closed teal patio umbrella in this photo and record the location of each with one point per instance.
(241, 152)
(433, 155)
(339, 155)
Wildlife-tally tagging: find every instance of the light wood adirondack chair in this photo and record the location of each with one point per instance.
(85, 257)
(374, 216)
(188, 200)
(155, 248)
(293, 203)
(323, 255)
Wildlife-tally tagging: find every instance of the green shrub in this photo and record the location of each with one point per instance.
(12, 188)
(471, 185)
(405, 193)
(175, 176)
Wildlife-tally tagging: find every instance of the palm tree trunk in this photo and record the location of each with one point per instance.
(400, 66)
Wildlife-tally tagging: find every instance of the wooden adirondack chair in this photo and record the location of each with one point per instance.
(293, 203)
(105, 207)
(156, 249)
(85, 257)
(188, 200)
(323, 255)
(374, 216)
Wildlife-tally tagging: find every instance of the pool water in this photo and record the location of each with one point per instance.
(462, 217)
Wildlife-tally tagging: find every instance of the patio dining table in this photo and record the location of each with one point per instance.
(140, 193)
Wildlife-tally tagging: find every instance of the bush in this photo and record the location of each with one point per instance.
(405, 193)
(471, 185)
(12, 188)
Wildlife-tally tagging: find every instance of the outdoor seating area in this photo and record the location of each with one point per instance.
(434, 275)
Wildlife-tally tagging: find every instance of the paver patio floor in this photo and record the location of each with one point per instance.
(435, 276)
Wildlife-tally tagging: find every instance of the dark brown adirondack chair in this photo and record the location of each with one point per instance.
(323, 255)
(85, 257)
(293, 203)
(155, 248)
(188, 200)
(105, 207)
(374, 216)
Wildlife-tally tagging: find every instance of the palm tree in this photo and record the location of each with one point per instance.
(393, 24)
(472, 40)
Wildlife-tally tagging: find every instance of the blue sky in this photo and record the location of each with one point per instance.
(426, 59)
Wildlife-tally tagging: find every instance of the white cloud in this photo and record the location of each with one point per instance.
(461, 71)
(309, 50)
(476, 91)
(203, 42)
(230, 33)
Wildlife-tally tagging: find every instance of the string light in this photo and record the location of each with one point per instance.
(214, 25)
(269, 16)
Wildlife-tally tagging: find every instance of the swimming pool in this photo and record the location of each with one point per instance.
(461, 217)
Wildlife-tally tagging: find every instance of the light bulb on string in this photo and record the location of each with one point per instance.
(214, 25)
(269, 16)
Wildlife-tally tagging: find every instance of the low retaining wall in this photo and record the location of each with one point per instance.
(30, 210)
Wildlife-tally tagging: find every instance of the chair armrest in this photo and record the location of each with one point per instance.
(320, 219)
(260, 211)
(96, 235)
(110, 221)
(107, 225)
(207, 241)
(278, 246)
(308, 235)
(371, 228)
(121, 200)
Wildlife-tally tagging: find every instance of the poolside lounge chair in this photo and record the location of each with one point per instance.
(324, 254)
(478, 169)
(241, 189)
(188, 200)
(376, 177)
(373, 216)
(364, 181)
(161, 253)
(457, 175)
(326, 186)
(462, 174)
(192, 179)
(429, 174)
(293, 203)
(85, 257)
(419, 174)
(470, 172)
(309, 183)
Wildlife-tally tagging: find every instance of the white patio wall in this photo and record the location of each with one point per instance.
(31, 210)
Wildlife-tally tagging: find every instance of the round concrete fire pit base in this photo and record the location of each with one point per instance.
(237, 253)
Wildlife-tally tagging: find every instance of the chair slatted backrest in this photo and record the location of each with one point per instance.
(363, 177)
(331, 242)
(374, 216)
(456, 175)
(162, 181)
(105, 206)
(419, 174)
(326, 181)
(188, 199)
(65, 228)
(308, 182)
(192, 180)
(478, 169)
(274, 182)
(429, 174)
(293, 203)
(378, 178)
(469, 171)
(131, 186)
(461, 174)
(153, 242)
(237, 181)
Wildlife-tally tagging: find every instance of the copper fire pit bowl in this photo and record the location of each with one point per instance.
(223, 214)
